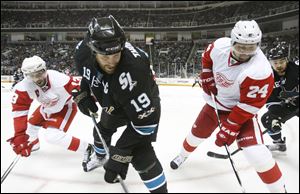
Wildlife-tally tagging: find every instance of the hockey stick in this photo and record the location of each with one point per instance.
(226, 147)
(93, 115)
(225, 156)
(11, 166)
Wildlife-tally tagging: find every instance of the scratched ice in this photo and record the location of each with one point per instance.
(53, 169)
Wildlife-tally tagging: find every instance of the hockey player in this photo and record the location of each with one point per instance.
(283, 103)
(18, 76)
(56, 112)
(240, 77)
(120, 77)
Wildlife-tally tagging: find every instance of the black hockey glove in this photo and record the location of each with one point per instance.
(117, 164)
(84, 101)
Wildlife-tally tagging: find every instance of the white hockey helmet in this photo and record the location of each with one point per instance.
(32, 65)
(246, 32)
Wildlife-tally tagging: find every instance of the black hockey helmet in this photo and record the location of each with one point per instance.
(105, 36)
(278, 52)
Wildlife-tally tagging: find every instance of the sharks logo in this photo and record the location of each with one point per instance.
(289, 97)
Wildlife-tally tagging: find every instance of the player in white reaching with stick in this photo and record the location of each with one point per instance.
(239, 75)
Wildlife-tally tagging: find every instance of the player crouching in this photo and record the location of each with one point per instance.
(55, 113)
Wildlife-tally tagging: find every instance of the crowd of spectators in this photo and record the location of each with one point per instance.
(169, 58)
(103, 4)
(223, 13)
(58, 56)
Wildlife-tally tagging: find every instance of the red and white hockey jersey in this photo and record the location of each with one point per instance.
(53, 97)
(243, 88)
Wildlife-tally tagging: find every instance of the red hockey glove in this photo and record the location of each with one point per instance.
(208, 83)
(227, 134)
(21, 145)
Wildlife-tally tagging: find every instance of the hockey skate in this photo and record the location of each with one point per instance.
(177, 161)
(91, 160)
(278, 146)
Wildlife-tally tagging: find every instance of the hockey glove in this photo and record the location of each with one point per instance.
(84, 101)
(227, 134)
(21, 145)
(208, 83)
(117, 164)
(275, 126)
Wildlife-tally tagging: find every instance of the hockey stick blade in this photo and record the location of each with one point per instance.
(216, 155)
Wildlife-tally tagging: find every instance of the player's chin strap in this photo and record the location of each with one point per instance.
(225, 145)
(94, 116)
(11, 166)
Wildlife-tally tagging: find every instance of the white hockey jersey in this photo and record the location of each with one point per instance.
(53, 97)
(243, 88)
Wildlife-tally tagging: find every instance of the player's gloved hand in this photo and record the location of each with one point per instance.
(228, 133)
(85, 102)
(208, 83)
(21, 145)
(117, 164)
(275, 126)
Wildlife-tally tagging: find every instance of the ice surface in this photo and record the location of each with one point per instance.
(53, 169)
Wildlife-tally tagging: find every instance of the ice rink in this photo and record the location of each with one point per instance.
(52, 169)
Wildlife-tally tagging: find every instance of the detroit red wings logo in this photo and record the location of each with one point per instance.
(223, 81)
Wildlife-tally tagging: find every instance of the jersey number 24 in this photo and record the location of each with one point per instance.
(255, 90)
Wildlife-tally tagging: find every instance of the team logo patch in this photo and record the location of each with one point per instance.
(222, 80)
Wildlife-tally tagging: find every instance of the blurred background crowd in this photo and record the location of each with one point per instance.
(173, 34)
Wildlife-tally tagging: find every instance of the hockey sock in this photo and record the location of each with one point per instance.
(154, 178)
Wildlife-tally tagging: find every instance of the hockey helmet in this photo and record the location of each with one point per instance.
(246, 32)
(35, 69)
(105, 36)
(278, 52)
(32, 65)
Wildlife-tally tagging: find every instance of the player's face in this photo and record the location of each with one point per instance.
(108, 63)
(39, 77)
(279, 65)
(244, 52)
